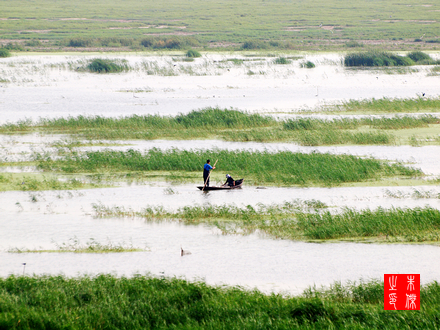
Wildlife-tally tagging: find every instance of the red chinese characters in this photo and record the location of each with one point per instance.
(402, 292)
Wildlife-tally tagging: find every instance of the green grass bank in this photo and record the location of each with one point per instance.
(143, 302)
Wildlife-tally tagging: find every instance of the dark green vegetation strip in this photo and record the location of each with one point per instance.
(302, 221)
(263, 167)
(377, 58)
(233, 125)
(107, 302)
(135, 24)
(418, 225)
(100, 65)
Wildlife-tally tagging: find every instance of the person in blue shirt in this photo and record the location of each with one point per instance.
(206, 169)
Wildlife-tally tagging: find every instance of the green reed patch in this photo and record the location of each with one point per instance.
(379, 58)
(4, 52)
(300, 220)
(418, 224)
(99, 65)
(282, 60)
(388, 105)
(145, 302)
(396, 122)
(207, 118)
(232, 125)
(307, 64)
(193, 53)
(283, 168)
(38, 182)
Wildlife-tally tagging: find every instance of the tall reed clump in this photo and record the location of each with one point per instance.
(284, 167)
(4, 52)
(376, 58)
(307, 65)
(144, 302)
(368, 223)
(282, 60)
(193, 53)
(100, 65)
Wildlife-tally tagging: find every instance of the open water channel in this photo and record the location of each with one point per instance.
(45, 86)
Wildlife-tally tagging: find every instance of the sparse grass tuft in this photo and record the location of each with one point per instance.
(91, 246)
(282, 60)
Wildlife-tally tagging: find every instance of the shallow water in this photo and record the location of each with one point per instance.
(137, 197)
(250, 261)
(43, 86)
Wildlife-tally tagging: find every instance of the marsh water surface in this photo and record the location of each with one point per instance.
(49, 86)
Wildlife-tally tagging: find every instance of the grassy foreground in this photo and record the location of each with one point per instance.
(307, 221)
(142, 302)
(280, 168)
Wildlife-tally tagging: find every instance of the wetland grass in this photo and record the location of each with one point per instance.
(91, 246)
(146, 302)
(410, 225)
(99, 65)
(191, 53)
(280, 168)
(301, 220)
(38, 182)
(234, 125)
(380, 58)
(308, 124)
(395, 105)
(4, 52)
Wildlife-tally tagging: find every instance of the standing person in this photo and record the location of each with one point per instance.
(206, 168)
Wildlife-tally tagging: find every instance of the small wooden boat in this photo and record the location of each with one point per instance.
(238, 184)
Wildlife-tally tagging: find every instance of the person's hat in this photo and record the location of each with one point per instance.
(228, 176)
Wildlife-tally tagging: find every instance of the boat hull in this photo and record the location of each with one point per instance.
(219, 187)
